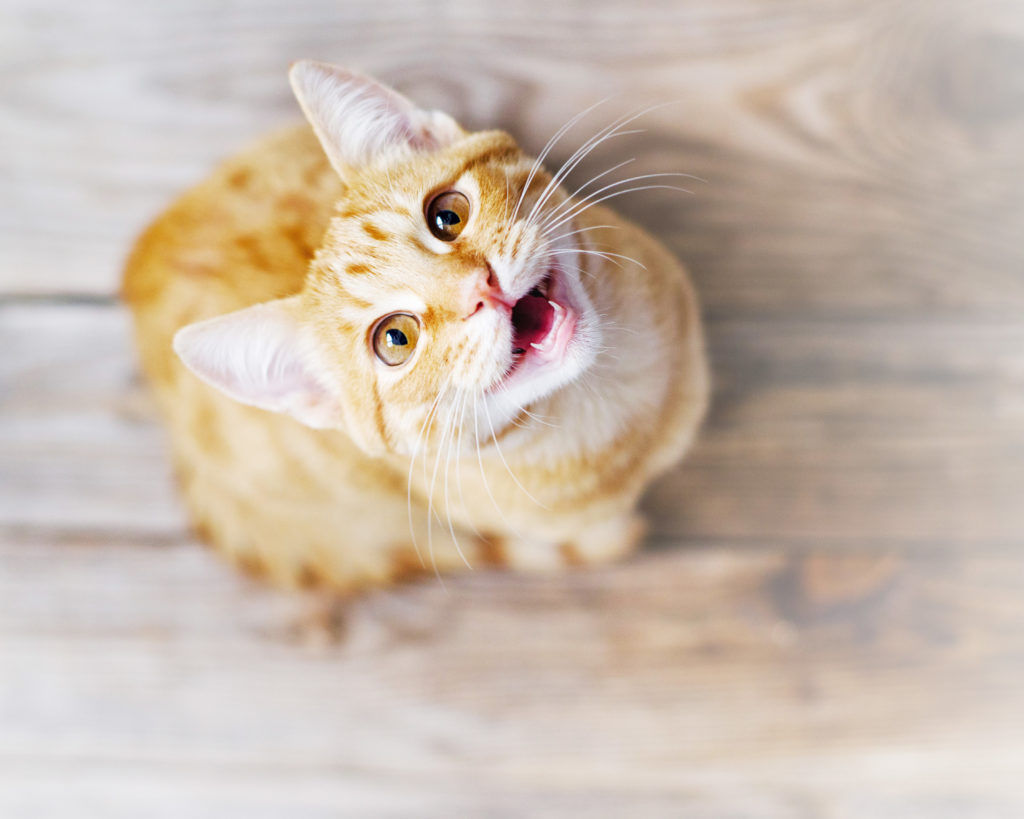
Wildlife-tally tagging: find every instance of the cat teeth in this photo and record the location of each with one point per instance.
(545, 345)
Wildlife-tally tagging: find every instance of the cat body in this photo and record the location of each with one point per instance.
(401, 350)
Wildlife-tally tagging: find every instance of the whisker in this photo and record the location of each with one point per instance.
(606, 133)
(569, 166)
(604, 254)
(581, 153)
(434, 411)
(591, 273)
(497, 446)
(559, 216)
(547, 148)
(458, 462)
(483, 475)
(606, 353)
(589, 182)
(412, 466)
(551, 240)
(588, 204)
(614, 325)
(452, 445)
(541, 420)
(441, 450)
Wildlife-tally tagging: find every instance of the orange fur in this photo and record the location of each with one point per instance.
(536, 484)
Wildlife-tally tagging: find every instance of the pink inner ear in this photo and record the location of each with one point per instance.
(278, 373)
(256, 356)
(356, 118)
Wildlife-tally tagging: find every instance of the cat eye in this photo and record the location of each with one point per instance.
(447, 214)
(395, 337)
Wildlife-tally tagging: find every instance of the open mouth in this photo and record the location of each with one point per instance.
(543, 324)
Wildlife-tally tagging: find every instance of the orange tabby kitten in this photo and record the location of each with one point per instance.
(404, 347)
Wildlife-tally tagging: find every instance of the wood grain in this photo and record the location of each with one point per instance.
(708, 682)
(828, 619)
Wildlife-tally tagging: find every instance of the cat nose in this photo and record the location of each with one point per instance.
(484, 290)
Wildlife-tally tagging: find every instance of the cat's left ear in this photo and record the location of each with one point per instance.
(260, 356)
(357, 119)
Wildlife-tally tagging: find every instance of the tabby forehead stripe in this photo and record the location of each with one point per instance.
(375, 232)
(496, 154)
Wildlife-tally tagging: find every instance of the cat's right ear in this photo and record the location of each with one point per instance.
(357, 119)
(260, 356)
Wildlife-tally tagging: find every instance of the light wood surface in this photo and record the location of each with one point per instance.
(829, 619)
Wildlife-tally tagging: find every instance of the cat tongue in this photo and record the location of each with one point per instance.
(532, 318)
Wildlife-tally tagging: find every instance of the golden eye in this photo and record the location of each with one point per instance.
(395, 337)
(447, 214)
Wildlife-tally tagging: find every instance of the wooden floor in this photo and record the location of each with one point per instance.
(829, 619)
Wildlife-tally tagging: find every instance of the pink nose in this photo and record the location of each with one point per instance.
(484, 290)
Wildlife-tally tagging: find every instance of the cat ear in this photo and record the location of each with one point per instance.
(356, 118)
(258, 356)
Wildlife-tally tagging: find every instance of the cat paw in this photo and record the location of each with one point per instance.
(597, 544)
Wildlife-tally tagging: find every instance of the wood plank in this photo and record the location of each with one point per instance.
(909, 431)
(859, 156)
(901, 431)
(715, 682)
(79, 447)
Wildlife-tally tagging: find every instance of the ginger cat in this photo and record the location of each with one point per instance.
(400, 347)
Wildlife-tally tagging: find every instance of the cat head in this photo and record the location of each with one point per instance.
(448, 282)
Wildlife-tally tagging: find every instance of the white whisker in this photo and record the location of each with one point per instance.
(588, 203)
(540, 420)
(559, 217)
(431, 512)
(458, 462)
(497, 446)
(412, 465)
(590, 181)
(483, 475)
(604, 254)
(581, 153)
(552, 239)
(608, 132)
(453, 445)
(612, 258)
(547, 148)
(614, 325)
